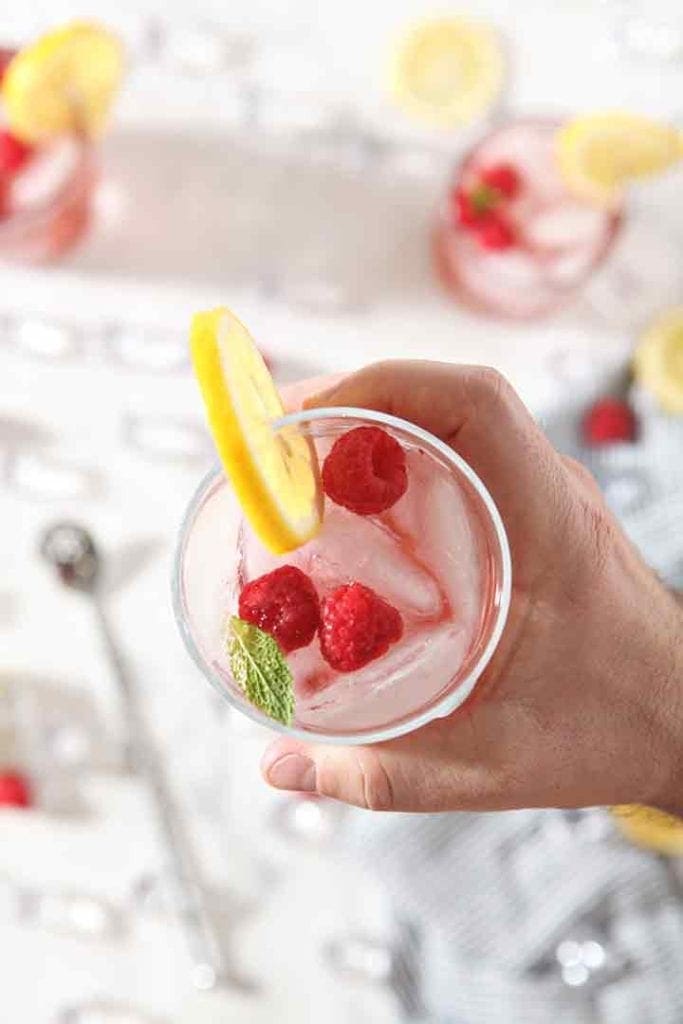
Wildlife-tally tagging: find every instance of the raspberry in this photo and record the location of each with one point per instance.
(365, 471)
(15, 790)
(609, 420)
(357, 626)
(13, 153)
(504, 178)
(463, 208)
(495, 233)
(283, 603)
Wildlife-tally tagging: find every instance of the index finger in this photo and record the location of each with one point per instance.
(295, 395)
(477, 412)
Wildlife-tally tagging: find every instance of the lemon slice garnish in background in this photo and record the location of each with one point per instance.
(658, 361)
(654, 830)
(448, 71)
(601, 153)
(274, 475)
(63, 83)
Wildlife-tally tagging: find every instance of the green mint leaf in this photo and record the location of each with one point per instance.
(484, 198)
(260, 670)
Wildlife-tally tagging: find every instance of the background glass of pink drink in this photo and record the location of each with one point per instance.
(439, 555)
(45, 205)
(559, 239)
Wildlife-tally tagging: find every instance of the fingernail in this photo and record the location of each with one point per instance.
(292, 772)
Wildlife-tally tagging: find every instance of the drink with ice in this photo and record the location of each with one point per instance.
(511, 238)
(437, 557)
(55, 96)
(45, 193)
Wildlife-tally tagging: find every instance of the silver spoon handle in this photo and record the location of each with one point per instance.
(200, 932)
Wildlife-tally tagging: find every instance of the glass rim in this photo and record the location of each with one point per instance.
(450, 700)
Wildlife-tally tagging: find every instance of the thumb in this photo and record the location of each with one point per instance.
(355, 775)
(440, 767)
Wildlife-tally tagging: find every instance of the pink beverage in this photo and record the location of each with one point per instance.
(511, 239)
(438, 556)
(45, 195)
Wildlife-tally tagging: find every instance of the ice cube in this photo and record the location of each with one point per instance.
(430, 654)
(45, 175)
(362, 548)
(352, 548)
(566, 226)
(507, 272)
(450, 536)
(569, 268)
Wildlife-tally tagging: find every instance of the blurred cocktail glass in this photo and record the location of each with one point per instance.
(46, 202)
(55, 95)
(537, 206)
(511, 239)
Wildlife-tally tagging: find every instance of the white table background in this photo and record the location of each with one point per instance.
(562, 59)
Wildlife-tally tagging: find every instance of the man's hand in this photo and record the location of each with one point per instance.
(582, 703)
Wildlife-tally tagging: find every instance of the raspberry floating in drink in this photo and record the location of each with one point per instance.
(496, 233)
(482, 207)
(344, 574)
(357, 627)
(283, 603)
(365, 471)
(503, 178)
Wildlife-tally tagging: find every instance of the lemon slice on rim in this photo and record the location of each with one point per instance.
(654, 830)
(63, 83)
(658, 361)
(600, 153)
(447, 71)
(274, 475)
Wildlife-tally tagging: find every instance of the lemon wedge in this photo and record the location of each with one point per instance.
(654, 830)
(274, 474)
(448, 71)
(63, 83)
(658, 361)
(600, 153)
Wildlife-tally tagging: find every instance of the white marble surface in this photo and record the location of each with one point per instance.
(144, 266)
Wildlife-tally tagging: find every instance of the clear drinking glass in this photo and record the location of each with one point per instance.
(559, 240)
(45, 202)
(440, 556)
